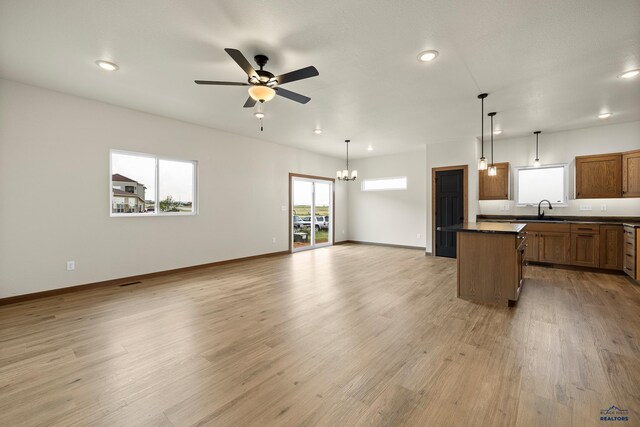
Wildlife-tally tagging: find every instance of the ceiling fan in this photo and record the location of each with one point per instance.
(263, 85)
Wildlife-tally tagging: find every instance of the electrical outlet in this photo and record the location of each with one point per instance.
(418, 236)
(603, 208)
(343, 232)
(273, 240)
(507, 207)
(71, 265)
(585, 207)
(284, 208)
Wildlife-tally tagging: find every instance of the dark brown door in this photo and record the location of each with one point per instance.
(449, 209)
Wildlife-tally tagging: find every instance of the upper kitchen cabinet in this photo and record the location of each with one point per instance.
(599, 176)
(495, 187)
(631, 174)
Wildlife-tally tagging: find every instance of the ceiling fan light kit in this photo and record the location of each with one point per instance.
(263, 85)
(262, 93)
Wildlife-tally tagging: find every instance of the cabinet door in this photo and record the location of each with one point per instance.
(531, 250)
(495, 187)
(611, 246)
(599, 176)
(631, 174)
(585, 250)
(554, 247)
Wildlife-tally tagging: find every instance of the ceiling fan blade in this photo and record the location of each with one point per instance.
(250, 102)
(237, 56)
(303, 73)
(208, 82)
(292, 95)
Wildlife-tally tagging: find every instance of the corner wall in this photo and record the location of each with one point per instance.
(54, 181)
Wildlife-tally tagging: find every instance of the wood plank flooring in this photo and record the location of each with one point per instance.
(343, 336)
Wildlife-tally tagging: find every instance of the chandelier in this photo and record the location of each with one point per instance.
(344, 175)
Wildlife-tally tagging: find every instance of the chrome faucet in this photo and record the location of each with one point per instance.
(541, 214)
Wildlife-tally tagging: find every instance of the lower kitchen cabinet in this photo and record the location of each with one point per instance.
(554, 247)
(611, 247)
(585, 250)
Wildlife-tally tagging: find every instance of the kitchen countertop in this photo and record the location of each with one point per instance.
(485, 227)
(550, 219)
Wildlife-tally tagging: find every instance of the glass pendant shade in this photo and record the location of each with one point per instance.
(354, 174)
(261, 93)
(536, 163)
(345, 173)
(482, 164)
(492, 171)
(339, 174)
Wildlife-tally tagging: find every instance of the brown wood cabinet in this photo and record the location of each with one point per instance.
(631, 174)
(495, 187)
(585, 250)
(599, 176)
(631, 259)
(611, 246)
(554, 247)
(531, 249)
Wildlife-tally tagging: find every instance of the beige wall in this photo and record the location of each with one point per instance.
(563, 147)
(390, 217)
(47, 138)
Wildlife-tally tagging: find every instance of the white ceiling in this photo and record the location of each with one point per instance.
(547, 64)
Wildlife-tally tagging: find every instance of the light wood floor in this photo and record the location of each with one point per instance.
(341, 336)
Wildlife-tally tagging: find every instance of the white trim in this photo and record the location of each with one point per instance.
(406, 183)
(565, 190)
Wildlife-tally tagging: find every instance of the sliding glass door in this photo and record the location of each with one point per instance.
(311, 213)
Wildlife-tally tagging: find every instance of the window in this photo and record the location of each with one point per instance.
(381, 184)
(545, 182)
(146, 185)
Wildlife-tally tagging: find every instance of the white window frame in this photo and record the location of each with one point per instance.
(565, 190)
(406, 180)
(156, 211)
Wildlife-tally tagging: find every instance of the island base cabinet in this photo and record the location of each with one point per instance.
(490, 267)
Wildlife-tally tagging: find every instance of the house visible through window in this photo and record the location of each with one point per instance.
(144, 184)
(381, 184)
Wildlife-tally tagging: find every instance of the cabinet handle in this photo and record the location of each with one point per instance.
(585, 235)
(585, 229)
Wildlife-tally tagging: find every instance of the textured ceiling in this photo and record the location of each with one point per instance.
(547, 64)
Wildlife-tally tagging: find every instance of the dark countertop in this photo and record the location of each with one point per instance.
(485, 227)
(630, 221)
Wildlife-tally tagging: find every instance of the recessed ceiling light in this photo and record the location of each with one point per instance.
(497, 132)
(427, 55)
(106, 65)
(629, 74)
(369, 148)
(604, 115)
(317, 131)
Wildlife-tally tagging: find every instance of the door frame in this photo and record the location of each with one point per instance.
(333, 205)
(465, 196)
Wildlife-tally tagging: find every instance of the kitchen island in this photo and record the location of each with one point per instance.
(490, 261)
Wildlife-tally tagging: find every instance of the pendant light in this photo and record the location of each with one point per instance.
(536, 162)
(482, 163)
(344, 174)
(492, 168)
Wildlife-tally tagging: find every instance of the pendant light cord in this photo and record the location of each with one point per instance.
(482, 129)
(491, 115)
(537, 133)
